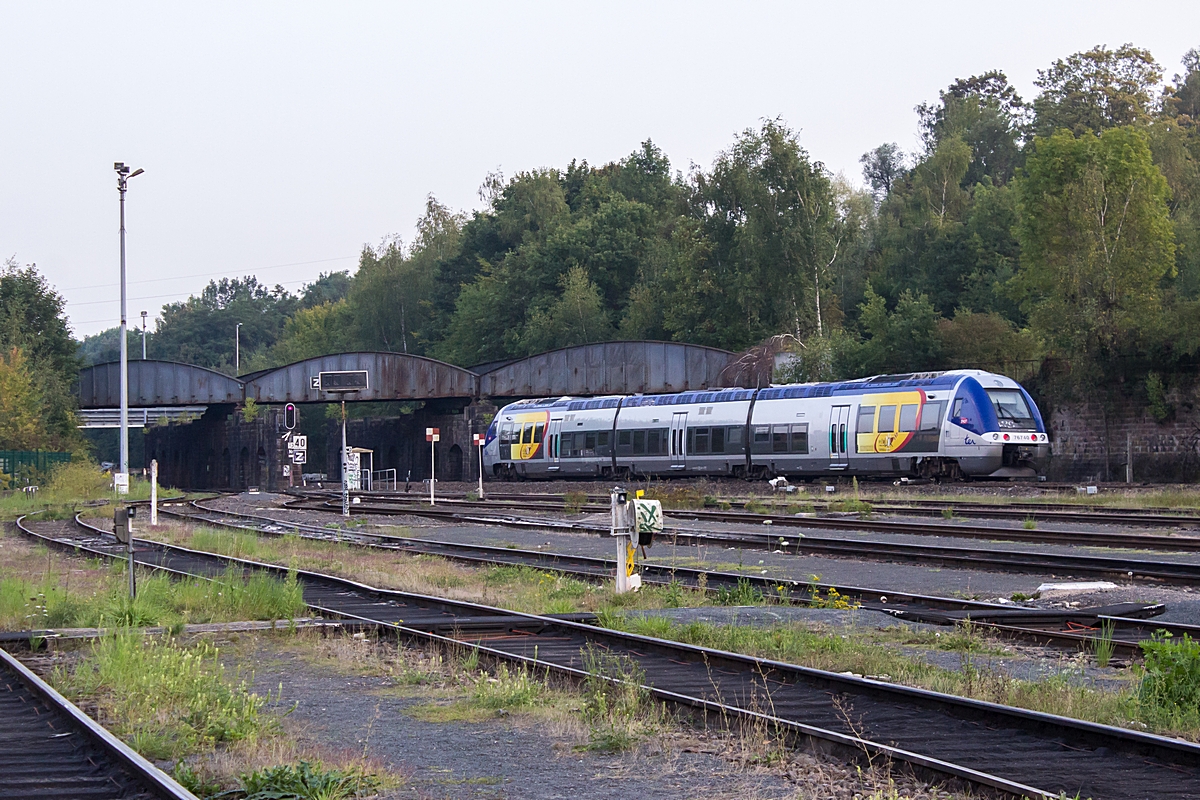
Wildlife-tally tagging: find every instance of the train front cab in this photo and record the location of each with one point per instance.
(996, 430)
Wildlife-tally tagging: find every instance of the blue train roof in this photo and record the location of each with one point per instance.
(877, 384)
(881, 383)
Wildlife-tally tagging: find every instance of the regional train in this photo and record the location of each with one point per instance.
(941, 425)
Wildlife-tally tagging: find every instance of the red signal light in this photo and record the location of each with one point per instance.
(1006, 437)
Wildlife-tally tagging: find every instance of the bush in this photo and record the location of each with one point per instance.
(1169, 692)
(166, 699)
(305, 781)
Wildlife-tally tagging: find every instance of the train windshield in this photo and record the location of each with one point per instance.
(1009, 404)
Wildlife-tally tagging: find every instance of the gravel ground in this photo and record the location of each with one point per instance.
(1183, 602)
(511, 757)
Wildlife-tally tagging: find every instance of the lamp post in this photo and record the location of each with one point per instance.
(143, 336)
(237, 350)
(122, 478)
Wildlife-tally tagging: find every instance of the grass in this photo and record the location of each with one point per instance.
(73, 592)
(574, 502)
(514, 587)
(166, 700)
(1146, 704)
(69, 489)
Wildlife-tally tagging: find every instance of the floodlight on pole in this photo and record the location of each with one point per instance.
(144, 335)
(122, 478)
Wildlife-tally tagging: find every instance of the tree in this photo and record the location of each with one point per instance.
(986, 341)
(769, 215)
(882, 167)
(1183, 99)
(902, 340)
(578, 316)
(986, 113)
(22, 426)
(203, 330)
(1096, 241)
(32, 318)
(329, 287)
(1097, 90)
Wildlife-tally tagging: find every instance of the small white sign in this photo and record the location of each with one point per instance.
(287, 470)
(121, 482)
(299, 456)
(298, 443)
(314, 382)
(353, 460)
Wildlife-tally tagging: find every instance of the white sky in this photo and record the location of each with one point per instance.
(278, 138)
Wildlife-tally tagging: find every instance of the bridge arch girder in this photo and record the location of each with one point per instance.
(390, 376)
(626, 367)
(156, 383)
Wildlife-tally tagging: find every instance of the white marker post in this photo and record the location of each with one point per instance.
(432, 435)
(479, 437)
(622, 531)
(154, 493)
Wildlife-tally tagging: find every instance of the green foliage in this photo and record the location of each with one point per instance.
(1096, 242)
(1169, 692)
(305, 781)
(1156, 397)
(251, 410)
(202, 330)
(744, 594)
(1103, 646)
(508, 689)
(617, 706)
(28, 605)
(165, 699)
(574, 502)
(1091, 91)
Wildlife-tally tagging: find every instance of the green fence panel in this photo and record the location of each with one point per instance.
(14, 462)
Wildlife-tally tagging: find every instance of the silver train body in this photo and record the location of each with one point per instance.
(964, 423)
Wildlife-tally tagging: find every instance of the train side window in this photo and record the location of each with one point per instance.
(589, 445)
(537, 432)
(958, 404)
(733, 439)
(908, 418)
(866, 419)
(779, 439)
(718, 440)
(624, 438)
(653, 442)
(639, 443)
(931, 417)
(800, 438)
(701, 440)
(762, 434)
(887, 419)
(602, 448)
(527, 434)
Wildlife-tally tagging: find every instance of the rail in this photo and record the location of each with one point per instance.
(1021, 752)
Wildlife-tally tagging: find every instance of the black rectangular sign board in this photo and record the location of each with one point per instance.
(349, 381)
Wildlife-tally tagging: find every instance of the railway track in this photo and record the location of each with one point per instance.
(845, 521)
(985, 559)
(1023, 753)
(49, 748)
(1018, 510)
(1126, 624)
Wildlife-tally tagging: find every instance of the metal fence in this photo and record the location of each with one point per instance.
(29, 463)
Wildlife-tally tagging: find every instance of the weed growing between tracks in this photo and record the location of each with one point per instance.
(165, 699)
(40, 589)
(1166, 702)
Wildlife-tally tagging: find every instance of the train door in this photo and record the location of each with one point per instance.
(679, 440)
(553, 436)
(839, 437)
